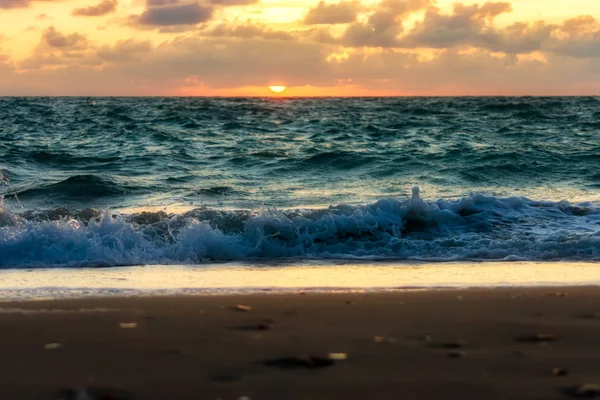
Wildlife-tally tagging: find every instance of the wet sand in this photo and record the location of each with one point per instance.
(529, 343)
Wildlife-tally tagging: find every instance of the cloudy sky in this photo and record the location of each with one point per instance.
(316, 48)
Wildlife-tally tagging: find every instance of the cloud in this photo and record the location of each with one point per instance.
(14, 3)
(7, 4)
(467, 25)
(173, 15)
(199, 65)
(158, 3)
(518, 38)
(233, 3)
(247, 31)
(469, 52)
(384, 25)
(102, 8)
(577, 37)
(55, 39)
(223, 62)
(125, 50)
(58, 50)
(331, 14)
(476, 73)
(473, 26)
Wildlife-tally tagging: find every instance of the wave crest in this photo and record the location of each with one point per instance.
(474, 227)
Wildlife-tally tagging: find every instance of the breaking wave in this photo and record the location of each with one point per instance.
(476, 227)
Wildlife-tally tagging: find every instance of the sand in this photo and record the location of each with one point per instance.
(534, 343)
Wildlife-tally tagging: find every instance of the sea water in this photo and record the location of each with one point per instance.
(105, 182)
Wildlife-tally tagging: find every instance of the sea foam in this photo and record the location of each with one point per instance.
(475, 227)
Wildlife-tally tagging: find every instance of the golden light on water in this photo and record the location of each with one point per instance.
(277, 89)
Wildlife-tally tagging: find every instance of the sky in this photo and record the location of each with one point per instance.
(315, 48)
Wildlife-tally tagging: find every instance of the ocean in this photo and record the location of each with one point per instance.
(105, 182)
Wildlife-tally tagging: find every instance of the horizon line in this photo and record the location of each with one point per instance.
(298, 97)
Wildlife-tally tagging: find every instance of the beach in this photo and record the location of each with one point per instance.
(493, 343)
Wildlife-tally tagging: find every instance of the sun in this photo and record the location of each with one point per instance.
(277, 89)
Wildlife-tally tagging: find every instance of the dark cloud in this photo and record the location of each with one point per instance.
(158, 3)
(233, 3)
(173, 15)
(467, 25)
(517, 38)
(331, 14)
(14, 3)
(102, 8)
(20, 3)
(384, 25)
(55, 39)
(473, 26)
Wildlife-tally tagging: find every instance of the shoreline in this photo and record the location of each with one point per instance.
(286, 277)
(517, 343)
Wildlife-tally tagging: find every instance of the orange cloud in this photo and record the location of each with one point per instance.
(331, 14)
(98, 10)
(396, 47)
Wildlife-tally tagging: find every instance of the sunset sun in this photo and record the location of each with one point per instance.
(277, 89)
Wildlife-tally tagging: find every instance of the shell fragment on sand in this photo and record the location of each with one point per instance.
(128, 325)
(243, 308)
(338, 356)
(558, 294)
(54, 346)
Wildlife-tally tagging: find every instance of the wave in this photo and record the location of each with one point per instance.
(476, 227)
(76, 187)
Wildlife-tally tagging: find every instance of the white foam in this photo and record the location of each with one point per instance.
(476, 227)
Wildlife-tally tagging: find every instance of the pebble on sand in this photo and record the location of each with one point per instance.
(381, 339)
(54, 346)
(559, 372)
(128, 325)
(243, 308)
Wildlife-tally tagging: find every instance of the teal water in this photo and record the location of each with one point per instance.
(249, 178)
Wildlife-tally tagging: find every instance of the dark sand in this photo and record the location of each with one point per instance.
(467, 344)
